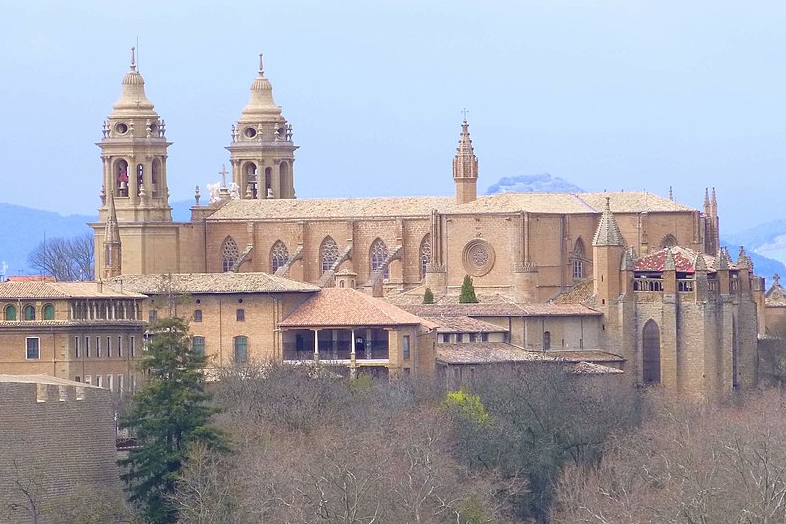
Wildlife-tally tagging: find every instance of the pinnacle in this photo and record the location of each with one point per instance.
(608, 232)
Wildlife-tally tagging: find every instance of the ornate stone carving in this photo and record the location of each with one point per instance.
(478, 257)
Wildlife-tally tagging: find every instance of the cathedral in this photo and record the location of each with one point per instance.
(643, 276)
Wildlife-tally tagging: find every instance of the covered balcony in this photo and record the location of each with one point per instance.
(334, 346)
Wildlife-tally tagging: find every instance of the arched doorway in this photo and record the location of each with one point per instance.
(651, 353)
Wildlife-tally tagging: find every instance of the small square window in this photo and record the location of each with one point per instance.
(32, 345)
(197, 315)
(241, 315)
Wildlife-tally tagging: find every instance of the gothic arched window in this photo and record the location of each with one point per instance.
(651, 357)
(279, 256)
(329, 253)
(668, 241)
(229, 254)
(577, 259)
(378, 254)
(425, 255)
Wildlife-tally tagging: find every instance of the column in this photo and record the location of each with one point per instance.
(353, 367)
(275, 179)
(316, 345)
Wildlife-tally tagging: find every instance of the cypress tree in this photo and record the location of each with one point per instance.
(168, 414)
(428, 296)
(467, 295)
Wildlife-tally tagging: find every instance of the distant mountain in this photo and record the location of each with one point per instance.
(24, 228)
(543, 183)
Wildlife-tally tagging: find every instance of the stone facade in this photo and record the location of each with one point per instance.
(520, 248)
(58, 444)
(86, 332)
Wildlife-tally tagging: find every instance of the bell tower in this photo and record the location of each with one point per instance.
(134, 153)
(262, 153)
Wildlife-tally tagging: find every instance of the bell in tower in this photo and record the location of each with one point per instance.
(262, 153)
(134, 153)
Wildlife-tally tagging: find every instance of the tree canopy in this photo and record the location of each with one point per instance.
(170, 413)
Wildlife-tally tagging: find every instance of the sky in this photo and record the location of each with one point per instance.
(617, 94)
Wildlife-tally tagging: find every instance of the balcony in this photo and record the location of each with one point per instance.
(334, 346)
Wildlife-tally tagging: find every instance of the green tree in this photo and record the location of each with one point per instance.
(428, 296)
(171, 412)
(467, 291)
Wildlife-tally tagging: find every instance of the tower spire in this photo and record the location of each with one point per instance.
(465, 167)
(112, 246)
(608, 232)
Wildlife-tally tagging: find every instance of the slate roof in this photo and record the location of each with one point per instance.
(396, 207)
(684, 259)
(346, 307)
(61, 290)
(500, 310)
(462, 324)
(196, 283)
(42, 379)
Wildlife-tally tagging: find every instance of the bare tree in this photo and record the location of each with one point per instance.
(67, 259)
(689, 463)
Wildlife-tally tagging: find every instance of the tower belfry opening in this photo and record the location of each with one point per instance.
(262, 153)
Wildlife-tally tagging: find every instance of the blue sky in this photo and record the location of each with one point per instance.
(609, 95)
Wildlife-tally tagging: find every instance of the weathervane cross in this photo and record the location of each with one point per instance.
(465, 112)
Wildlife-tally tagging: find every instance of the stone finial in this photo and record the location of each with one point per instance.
(776, 279)
(714, 200)
(723, 261)
(148, 128)
(261, 66)
(743, 260)
(223, 174)
(197, 195)
(706, 197)
(608, 231)
(669, 264)
(102, 194)
(628, 260)
(133, 59)
(699, 264)
(671, 193)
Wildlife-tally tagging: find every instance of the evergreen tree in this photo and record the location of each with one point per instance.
(168, 414)
(467, 295)
(428, 296)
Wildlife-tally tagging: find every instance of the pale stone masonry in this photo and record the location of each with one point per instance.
(58, 444)
(692, 329)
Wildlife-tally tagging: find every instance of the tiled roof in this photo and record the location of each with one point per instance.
(395, 207)
(581, 293)
(31, 278)
(589, 368)
(499, 310)
(684, 259)
(451, 324)
(61, 290)
(210, 283)
(494, 352)
(346, 307)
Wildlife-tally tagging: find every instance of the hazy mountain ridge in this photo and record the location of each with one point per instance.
(542, 183)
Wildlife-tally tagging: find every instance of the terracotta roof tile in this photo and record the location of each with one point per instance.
(210, 283)
(581, 293)
(499, 310)
(495, 352)
(395, 207)
(684, 259)
(64, 290)
(451, 324)
(345, 307)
